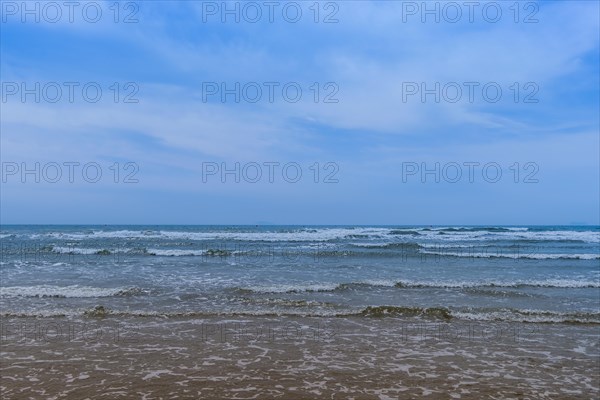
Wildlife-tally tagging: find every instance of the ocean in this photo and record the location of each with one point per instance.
(547, 274)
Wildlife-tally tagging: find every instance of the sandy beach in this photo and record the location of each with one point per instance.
(296, 358)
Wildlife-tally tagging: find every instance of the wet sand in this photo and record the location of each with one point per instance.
(296, 358)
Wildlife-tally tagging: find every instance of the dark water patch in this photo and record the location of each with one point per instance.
(396, 245)
(402, 232)
(383, 311)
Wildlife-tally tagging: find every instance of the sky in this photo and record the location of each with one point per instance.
(321, 113)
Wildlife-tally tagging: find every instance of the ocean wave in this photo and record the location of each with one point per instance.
(84, 251)
(288, 302)
(73, 291)
(141, 251)
(495, 315)
(509, 234)
(175, 252)
(548, 283)
(529, 316)
(298, 235)
(403, 232)
(479, 229)
(318, 251)
(457, 246)
(333, 234)
(542, 256)
(423, 313)
(390, 283)
(404, 313)
(395, 245)
(317, 287)
(289, 288)
(382, 311)
(493, 291)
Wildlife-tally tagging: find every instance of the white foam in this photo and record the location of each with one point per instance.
(515, 255)
(63, 291)
(527, 315)
(297, 235)
(452, 246)
(156, 374)
(327, 234)
(371, 245)
(286, 288)
(557, 283)
(379, 282)
(75, 250)
(176, 253)
(512, 235)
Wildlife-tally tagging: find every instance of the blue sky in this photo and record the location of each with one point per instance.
(369, 58)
